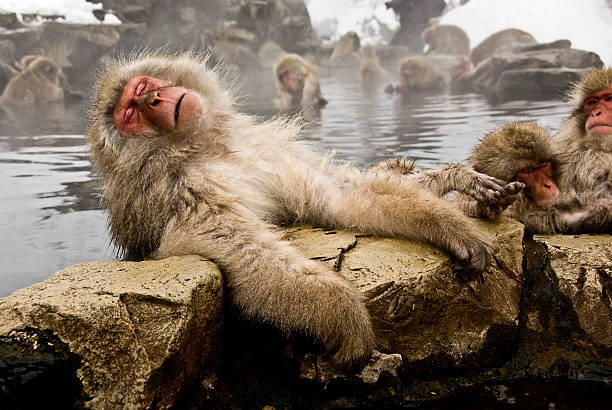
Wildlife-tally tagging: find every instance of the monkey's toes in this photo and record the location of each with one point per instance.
(514, 188)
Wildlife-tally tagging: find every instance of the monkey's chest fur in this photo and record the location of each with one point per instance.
(278, 182)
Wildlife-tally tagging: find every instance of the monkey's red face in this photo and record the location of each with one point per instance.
(540, 185)
(285, 77)
(149, 105)
(598, 113)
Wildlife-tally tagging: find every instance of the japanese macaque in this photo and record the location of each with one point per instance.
(568, 179)
(520, 151)
(418, 75)
(297, 84)
(446, 39)
(504, 40)
(39, 82)
(346, 51)
(184, 173)
(583, 147)
(372, 73)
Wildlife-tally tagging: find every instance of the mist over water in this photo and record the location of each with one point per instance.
(50, 212)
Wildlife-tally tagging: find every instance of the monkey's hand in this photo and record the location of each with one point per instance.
(596, 217)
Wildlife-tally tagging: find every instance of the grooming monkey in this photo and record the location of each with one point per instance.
(297, 84)
(185, 173)
(521, 151)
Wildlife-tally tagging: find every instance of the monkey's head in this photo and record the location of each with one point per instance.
(155, 98)
(591, 121)
(520, 151)
(44, 67)
(152, 114)
(291, 71)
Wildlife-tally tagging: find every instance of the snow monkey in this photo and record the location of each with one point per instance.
(521, 151)
(39, 82)
(184, 173)
(418, 75)
(370, 70)
(568, 179)
(297, 84)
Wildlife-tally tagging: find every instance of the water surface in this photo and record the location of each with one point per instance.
(50, 215)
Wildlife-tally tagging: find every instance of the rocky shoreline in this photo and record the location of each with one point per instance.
(158, 334)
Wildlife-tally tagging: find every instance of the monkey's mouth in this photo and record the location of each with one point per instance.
(599, 125)
(176, 109)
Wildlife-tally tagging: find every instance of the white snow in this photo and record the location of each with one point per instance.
(333, 18)
(75, 11)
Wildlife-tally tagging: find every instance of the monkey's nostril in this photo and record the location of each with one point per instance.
(155, 102)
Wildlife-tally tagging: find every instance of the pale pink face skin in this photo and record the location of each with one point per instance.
(149, 105)
(598, 113)
(540, 185)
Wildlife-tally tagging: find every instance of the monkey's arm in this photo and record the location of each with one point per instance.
(271, 281)
(284, 101)
(311, 94)
(569, 214)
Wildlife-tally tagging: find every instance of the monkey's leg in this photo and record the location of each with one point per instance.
(390, 207)
(271, 281)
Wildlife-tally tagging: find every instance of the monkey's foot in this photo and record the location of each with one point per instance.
(484, 188)
(509, 195)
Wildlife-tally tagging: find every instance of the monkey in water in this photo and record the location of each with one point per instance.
(184, 173)
(418, 75)
(39, 82)
(371, 72)
(297, 83)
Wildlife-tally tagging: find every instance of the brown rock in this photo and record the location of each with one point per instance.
(419, 306)
(142, 330)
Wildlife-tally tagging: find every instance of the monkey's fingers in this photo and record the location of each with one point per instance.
(486, 195)
(474, 258)
(514, 188)
(492, 182)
